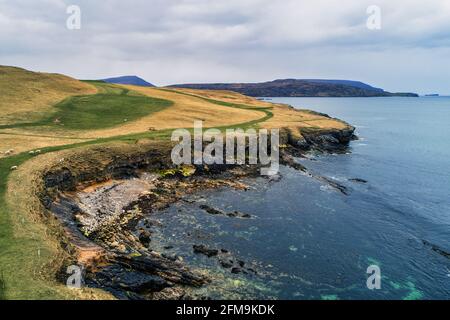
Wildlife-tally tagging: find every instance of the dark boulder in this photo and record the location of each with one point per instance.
(117, 277)
(201, 249)
(144, 238)
(358, 180)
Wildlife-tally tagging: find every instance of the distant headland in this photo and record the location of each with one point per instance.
(300, 88)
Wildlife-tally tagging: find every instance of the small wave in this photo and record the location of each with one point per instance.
(326, 188)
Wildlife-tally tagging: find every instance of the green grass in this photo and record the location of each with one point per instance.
(110, 107)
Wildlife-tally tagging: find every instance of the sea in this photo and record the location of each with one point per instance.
(388, 238)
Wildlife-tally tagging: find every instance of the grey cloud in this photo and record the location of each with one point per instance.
(169, 41)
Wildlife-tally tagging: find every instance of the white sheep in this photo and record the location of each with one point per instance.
(34, 152)
(13, 168)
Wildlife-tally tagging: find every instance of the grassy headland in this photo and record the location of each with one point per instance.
(31, 249)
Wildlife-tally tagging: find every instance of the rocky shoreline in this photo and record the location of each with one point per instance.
(105, 200)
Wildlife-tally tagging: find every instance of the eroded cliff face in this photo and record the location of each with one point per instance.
(331, 140)
(97, 164)
(108, 225)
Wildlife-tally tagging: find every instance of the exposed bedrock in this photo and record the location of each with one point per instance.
(103, 229)
(332, 140)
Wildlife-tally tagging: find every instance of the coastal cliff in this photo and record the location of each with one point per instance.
(111, 237)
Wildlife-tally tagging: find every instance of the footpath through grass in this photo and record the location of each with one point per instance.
(110, 107)
(18, 256)
(245, 125)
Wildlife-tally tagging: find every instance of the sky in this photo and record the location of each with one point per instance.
(188, 41)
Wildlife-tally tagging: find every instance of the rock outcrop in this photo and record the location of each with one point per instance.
(111, 235)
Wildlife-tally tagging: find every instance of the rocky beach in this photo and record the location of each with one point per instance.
(107, 204)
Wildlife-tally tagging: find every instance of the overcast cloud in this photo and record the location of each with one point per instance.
(177, 41)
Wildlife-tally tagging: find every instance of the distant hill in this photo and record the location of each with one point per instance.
(300, 88)
(356, 84)
(133, 80)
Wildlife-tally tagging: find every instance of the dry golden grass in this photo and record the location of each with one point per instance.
(283, 115)
(26, 96)
(187, 109)
(24, 142)
(227, 96)
(182, 114)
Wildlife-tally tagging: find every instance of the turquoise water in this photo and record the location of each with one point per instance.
(310, 242)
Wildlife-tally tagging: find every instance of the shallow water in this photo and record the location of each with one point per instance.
(308, 241)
